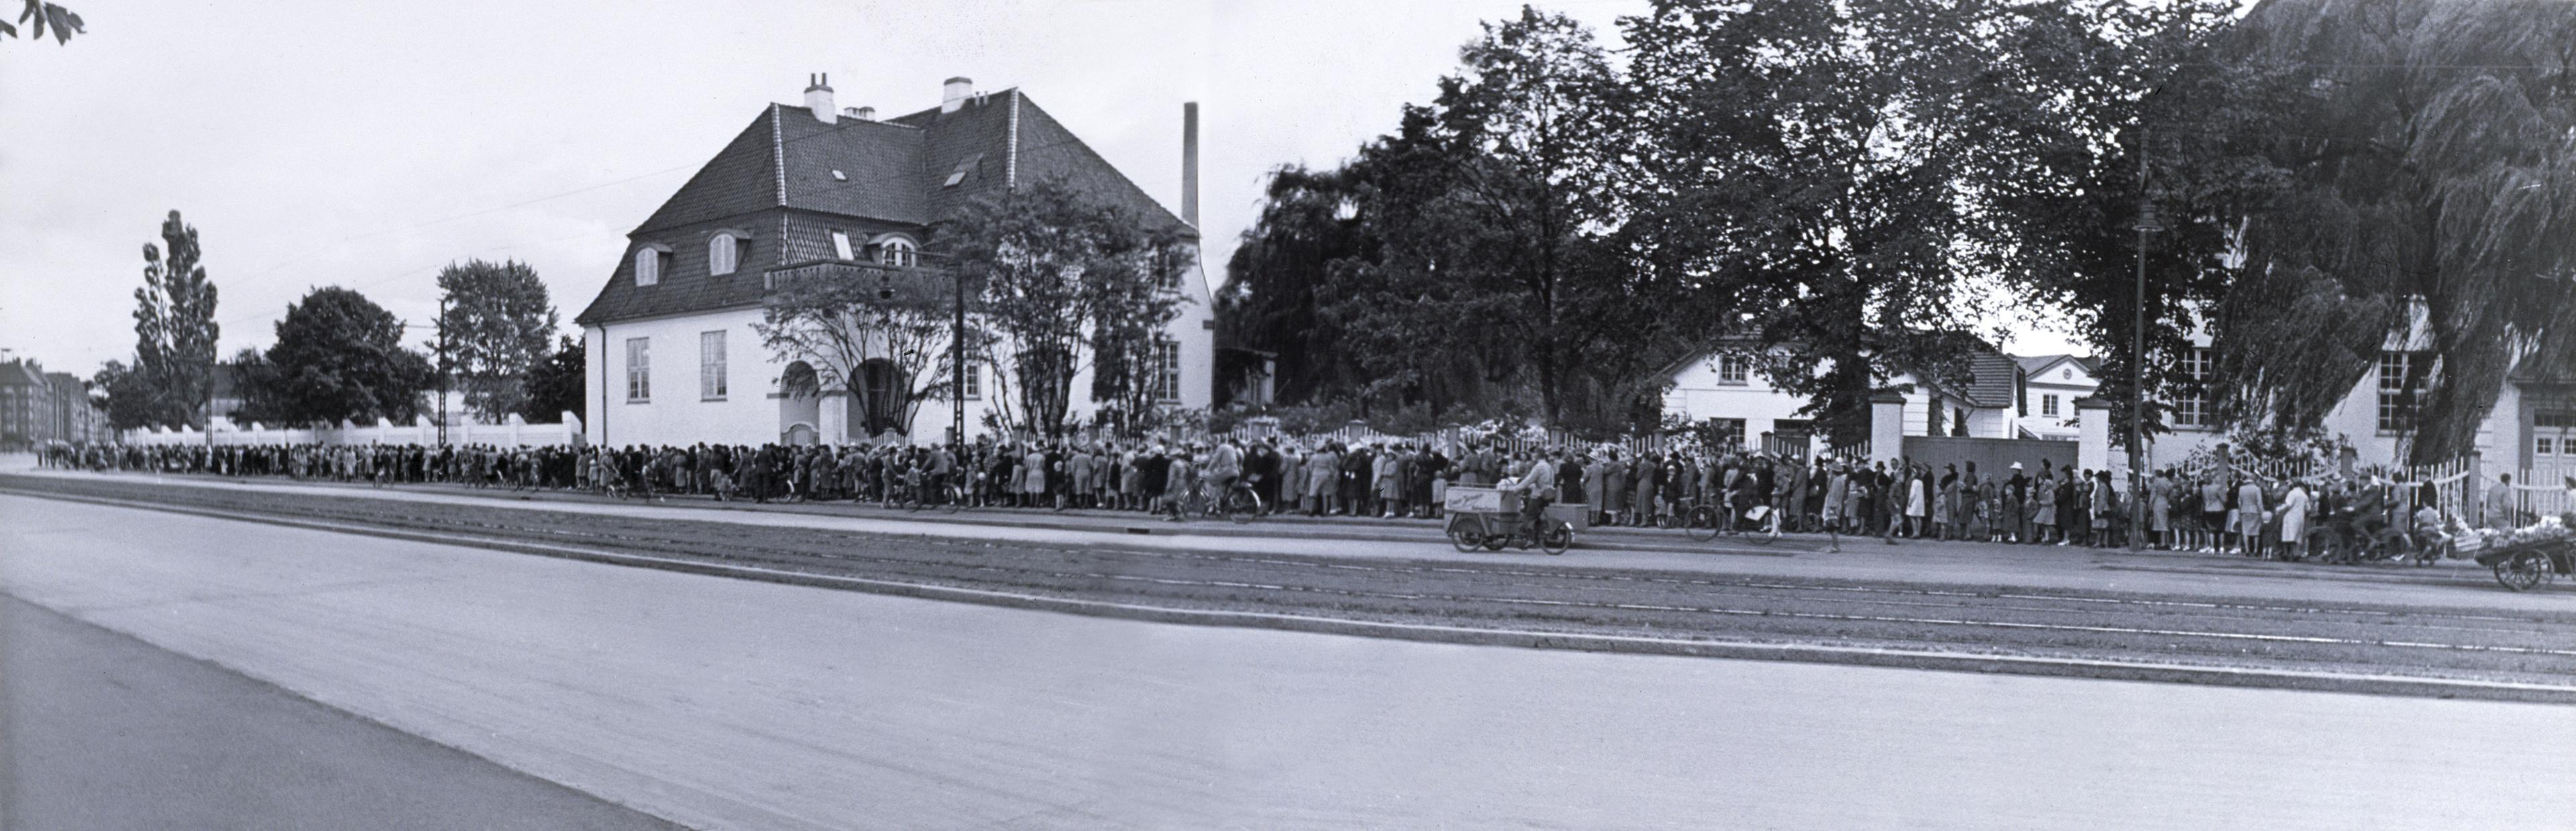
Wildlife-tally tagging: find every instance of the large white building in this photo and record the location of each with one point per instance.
(811, 192)
(2526, 430)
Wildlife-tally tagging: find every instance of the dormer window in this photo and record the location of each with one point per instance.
(965, 167)
(648, 265)
(722, 251)
(897, 251)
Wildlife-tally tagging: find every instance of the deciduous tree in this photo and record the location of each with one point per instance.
(340, 356)
(554, 385)
(1048, 267)
(876, 333)
(497, 323)
(175, 335)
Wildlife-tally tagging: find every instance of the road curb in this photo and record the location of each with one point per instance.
(1940, 660)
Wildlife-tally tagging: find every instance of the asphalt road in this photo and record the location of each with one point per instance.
(725, 703)
(2523, 652)
(103, 732)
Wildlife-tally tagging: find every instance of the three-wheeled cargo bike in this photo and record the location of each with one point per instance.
(1492, 519)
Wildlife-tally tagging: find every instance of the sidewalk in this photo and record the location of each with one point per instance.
(1975, 566)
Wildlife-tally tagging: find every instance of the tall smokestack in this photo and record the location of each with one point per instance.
(1190, 163)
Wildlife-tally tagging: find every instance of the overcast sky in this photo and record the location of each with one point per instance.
(368, 144)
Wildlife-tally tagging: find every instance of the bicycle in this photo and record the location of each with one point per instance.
(917, 492)
(1706, 523)
(1239, 504)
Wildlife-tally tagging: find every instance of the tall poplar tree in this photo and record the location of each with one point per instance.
(175, 334)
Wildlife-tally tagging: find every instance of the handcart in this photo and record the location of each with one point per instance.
(1490, 519)
(2524, 566)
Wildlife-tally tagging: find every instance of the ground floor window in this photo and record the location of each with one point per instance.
(639, 369)
(1167, 371)
(711, 366)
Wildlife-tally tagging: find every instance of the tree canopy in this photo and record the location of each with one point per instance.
(1852, 190)
(497, 324)
(175, 334)
(338, 356)
(1062, 280)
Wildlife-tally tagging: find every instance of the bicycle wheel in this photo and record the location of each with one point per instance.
(1703, 524)
(952, 499)
(1556, 538)
(1242, 506)
(1464, 536)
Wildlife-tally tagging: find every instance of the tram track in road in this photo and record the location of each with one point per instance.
(2015, 626)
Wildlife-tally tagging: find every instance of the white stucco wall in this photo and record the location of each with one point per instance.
(749, 412)
(1696, 394)
(676, 414)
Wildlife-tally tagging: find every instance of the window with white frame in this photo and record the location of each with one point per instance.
(639, 369)
(1725, 432)
(2191, 406)
(974, 380)
(1734, 370)
(648, 266)
(897, 251)
(711, 366)
(841, 245)
(2048, 405)
(721, 253)
(2397, 393)
(1167, 370)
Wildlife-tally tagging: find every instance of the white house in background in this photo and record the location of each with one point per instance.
(2527, 429)
(2054, 383)
(815, 191)
(1728, 386)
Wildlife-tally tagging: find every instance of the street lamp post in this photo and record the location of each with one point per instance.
(2147, 224)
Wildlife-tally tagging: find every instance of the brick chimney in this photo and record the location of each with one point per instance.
(818, 97)
(953, 94)
(1190, 163)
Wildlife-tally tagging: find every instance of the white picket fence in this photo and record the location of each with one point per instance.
(512, 432)
(2541, 493)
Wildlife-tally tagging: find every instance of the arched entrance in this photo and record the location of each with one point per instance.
(800, 405)
(879, 405)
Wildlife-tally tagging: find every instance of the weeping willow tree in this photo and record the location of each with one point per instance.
(2428, 198)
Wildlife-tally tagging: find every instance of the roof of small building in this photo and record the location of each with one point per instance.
(893, 173)
(2032, 365)
(1991, 380)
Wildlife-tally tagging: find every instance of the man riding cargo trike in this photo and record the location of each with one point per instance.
(1516, 513)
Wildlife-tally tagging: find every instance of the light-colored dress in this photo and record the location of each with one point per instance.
(2294, 514)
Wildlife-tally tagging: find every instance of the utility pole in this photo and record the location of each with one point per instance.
(441, 415)
(2147, 224)
(957, 355)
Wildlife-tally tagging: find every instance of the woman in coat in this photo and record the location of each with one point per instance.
(1614, 487)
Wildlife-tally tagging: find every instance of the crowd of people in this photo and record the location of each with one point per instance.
(2231, 512)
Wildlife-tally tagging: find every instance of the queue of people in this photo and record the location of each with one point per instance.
(2231, 512)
